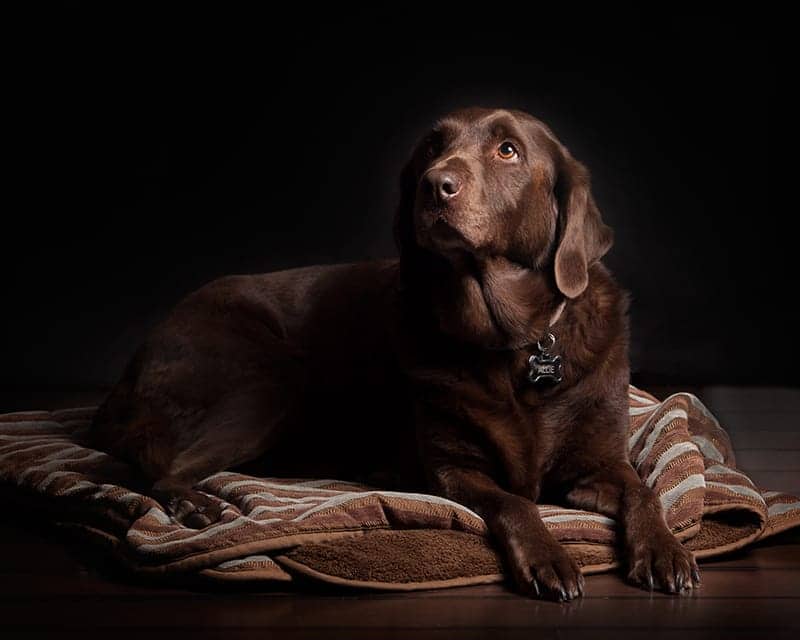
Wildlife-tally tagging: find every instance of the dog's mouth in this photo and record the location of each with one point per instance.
(445, 234)
(436, 231)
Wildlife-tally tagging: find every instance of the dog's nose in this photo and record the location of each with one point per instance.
(445, 185)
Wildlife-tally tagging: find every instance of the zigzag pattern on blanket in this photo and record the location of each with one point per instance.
(677, 447)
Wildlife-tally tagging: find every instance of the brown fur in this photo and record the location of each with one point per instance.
(379, 370)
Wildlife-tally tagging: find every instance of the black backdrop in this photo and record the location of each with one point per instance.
(156, 152)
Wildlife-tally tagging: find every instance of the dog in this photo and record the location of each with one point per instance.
(489, 364)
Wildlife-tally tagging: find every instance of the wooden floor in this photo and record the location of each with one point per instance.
(49, 587)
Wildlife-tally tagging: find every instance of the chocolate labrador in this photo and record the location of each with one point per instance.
(489, 364)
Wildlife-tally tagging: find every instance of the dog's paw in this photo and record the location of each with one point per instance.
(663, 563)
(546, 571)
(194, 510)
(189, 507)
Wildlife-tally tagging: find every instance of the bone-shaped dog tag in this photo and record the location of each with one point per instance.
(545, 369)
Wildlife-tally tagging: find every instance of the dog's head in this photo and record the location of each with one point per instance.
(498, 183)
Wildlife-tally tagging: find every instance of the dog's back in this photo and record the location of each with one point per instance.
(298, 360)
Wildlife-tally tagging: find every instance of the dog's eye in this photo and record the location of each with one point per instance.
(507, 151)
(432, 145)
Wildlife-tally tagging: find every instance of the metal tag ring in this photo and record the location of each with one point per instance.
(549, 341)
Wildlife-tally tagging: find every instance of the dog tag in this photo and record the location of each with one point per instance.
(545, 369)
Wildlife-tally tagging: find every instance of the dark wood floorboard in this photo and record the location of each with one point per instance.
(51, 587)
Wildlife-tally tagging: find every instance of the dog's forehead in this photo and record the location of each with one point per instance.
(477, 122)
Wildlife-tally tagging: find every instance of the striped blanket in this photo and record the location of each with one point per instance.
(281, 529)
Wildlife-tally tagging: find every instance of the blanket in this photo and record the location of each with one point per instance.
(284, 530)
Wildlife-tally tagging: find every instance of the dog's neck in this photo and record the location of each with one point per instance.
(493, 302)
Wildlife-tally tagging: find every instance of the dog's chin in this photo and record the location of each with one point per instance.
(444, 238)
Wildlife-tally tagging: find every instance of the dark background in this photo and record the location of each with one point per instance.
(157, 151)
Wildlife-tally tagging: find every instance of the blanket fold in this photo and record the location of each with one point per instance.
(277, 530)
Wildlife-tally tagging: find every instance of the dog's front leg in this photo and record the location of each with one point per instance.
(538, 564)
(655, 558)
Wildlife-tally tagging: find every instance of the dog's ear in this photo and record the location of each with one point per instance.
(583, 238)
(404, 236)
(412, 257)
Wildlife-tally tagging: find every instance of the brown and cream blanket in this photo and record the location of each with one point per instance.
(275, 529)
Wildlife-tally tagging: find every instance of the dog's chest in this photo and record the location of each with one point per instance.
(530, 433)
(543, 438)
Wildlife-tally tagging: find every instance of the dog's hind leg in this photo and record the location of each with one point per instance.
(237, 429)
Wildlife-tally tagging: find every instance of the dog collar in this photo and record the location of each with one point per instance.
(545, 369)
(557, 313)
